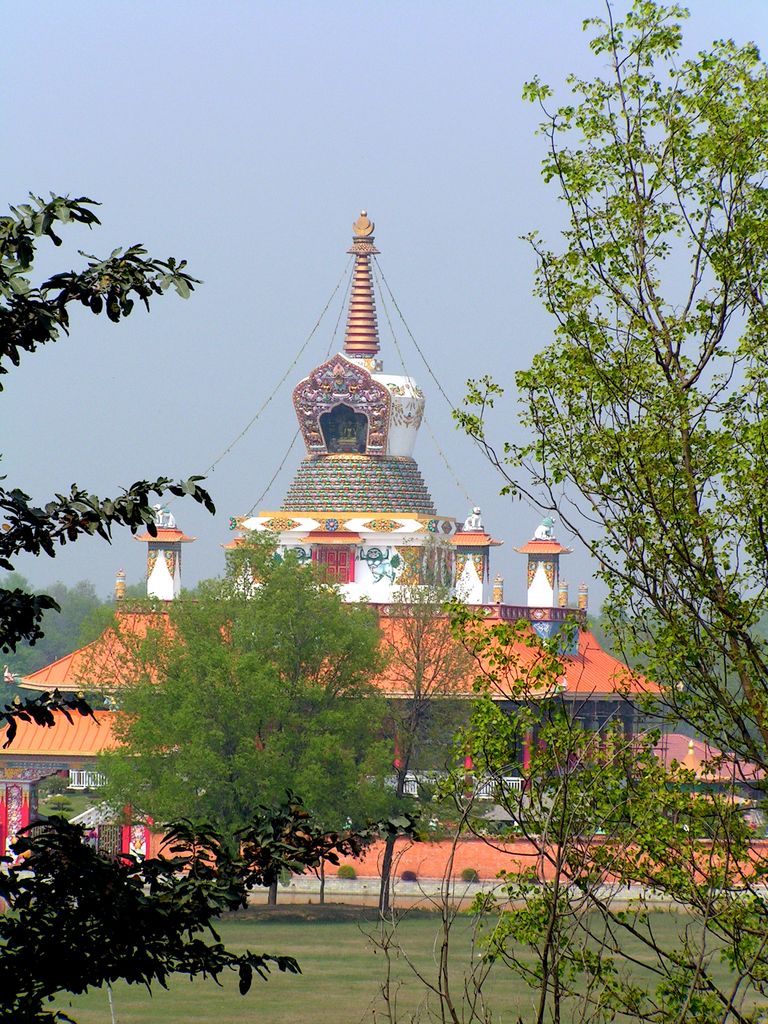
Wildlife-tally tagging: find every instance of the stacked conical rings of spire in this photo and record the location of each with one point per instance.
(362, 334)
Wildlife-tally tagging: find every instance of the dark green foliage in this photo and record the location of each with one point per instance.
(40, 710)
(39, 530)
(60, 804)
(346, 871)
(33, 315)
(36, 314)
(285, 840)
(470, 875)
(80, 920)
(53, 785)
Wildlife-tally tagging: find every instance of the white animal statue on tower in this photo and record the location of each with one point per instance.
(164, 518)
(474, 520)
(545, 530)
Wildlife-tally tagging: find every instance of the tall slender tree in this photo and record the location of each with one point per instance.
(648, 439)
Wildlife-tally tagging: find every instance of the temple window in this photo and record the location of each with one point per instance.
(338, 562)
(344, 430)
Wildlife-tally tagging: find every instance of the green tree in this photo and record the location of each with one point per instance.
(249, 691)
(74, 625)
(647, 420)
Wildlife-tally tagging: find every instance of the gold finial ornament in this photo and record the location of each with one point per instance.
(363, 227)
(361, 340)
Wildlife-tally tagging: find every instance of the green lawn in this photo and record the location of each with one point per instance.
(79, 802)
(340, 982)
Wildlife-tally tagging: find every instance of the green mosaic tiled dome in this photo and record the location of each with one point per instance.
(358, 484)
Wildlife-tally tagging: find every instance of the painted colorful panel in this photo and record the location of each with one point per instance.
(278, 525)
(335, 383)
(381, 525)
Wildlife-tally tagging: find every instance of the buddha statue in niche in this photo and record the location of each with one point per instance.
(344, 430)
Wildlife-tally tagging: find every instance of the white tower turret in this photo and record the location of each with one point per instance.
(164, 556)
(543, 552)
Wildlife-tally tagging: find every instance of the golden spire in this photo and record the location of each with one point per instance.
(362, 335)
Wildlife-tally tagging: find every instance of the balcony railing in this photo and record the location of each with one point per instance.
(483, 789)
(85, 778)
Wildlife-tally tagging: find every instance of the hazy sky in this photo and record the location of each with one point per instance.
(246, 137)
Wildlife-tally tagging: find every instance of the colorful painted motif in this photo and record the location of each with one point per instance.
(382, 563)
(532, 567)
(170, 561)
(234, 522)
(410, 574)
(381, 525)
(138, 841)
(476, 559)
(360, 484)
(151, 560)
(278, 525)
(14, 812)
(336, 382)
(331, 525)
(546, 630)
(29, 770)
(401, 390)
(407, 413)
(549, 572)
(432, 525)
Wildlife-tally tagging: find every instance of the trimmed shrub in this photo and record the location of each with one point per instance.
(470, 875)
(408, 876)
(346, 871)
(60, 805)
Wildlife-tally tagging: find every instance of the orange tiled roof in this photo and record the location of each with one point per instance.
(84, 737)
(321, 537)
(99, 664)
(103, 663)
(590, 672)
(594, 670)
(544, 547)
(164, 534)
(475, 538)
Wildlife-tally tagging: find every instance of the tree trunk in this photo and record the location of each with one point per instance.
(385, 894)
(386, 872)
(322, 881)
(272, 897)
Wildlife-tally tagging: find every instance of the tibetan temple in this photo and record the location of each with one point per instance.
(359, 506)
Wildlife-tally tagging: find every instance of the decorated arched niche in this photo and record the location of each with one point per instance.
(326, 398)
(344, 430)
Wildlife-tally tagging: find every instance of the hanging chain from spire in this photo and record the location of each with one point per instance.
(460, 486)
(284, 459)
(284, 377)
(380, 277)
